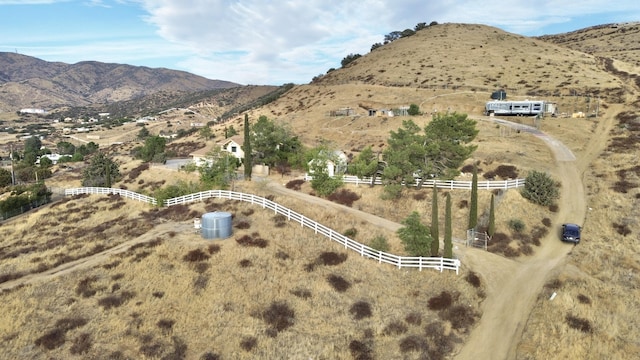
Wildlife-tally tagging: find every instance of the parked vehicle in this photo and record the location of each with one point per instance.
(571, 233)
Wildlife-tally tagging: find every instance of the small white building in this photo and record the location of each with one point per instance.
(233, 145)
(335, 166)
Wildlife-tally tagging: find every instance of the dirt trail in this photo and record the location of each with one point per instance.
(512, 287)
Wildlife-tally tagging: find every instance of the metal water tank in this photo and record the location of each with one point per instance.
(216, 225)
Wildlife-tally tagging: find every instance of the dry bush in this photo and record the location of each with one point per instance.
(279, 220)
(247, 212)
(279, 316)
(622, 229)
(200, 282)
(245, 263)
(248, 343)
(81, 344)
(506, 172)
(413, 318)
(473, 279)
(85, 286)
(210, 356)
(165, 325)
(461, 317)
(57, 336)
(158, 294)
(338, 283)
(360, 310)
(282, 255)
(360, 350)
(344, 197)
(395, 328)
(584, 299)
(252, 241)
(213, 249)
(414, 343)
(330, 258)
(302, 293)
(242, 225)
(546, 222)
(440, 302)
(135, 172)
(295, 184)
(113, 301)
(196, 255)
(577, 323)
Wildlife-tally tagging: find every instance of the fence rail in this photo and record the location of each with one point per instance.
(437, 263)
(440, 184)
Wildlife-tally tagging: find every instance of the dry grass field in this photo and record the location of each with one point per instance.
(125, 280)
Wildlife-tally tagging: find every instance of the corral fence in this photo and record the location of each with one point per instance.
(440, 184)
(438, 263)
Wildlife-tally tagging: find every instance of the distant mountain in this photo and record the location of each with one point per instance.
(28, 82)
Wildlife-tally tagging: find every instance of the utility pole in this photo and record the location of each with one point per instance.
(13, 174)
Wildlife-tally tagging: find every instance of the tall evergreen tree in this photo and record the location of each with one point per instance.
(473, 207)
(248, 157)
(435, 232)
(492, 218)
(448, 241)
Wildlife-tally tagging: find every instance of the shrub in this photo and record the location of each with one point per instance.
(395, 328)
(540, 188)
(248, 343)
(413, 318)
(213, 248)
(81, 344)
(473, 279)
(338, 283)
(360, 310)
(392, 192)
(331, 258)
(166, 325)
(516, 225)
(195, 255)
(360, 350)
(85, 287)
(351, 233)
(251, 241)
(301, 293)
(295, 184)
(210, 356)
(242, 225)
(546, 222)
(200, 282)
(440, 302)
(282, 255)
(507, 172)
(584, 299)
(245, 263)
(279, 316)
(380, 243)
(461, 317)
(577, 323)
(112, 301)
(413, 343)
(344, 196)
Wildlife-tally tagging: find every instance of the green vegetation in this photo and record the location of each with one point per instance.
(274, 143)
(365, 164)
(414, 110)
(181, 188)
(437, 151)
(248, 154)
(349, 59)
(415, 236)
(492, 218)
(321, 182)
(219, 170)
(23, 198)
(435, 231)
(380, 243)
(153, 150)
(448, 234)
(540, 188)
(473, 205)
(101, 172)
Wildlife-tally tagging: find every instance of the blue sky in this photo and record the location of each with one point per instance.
(263, 41)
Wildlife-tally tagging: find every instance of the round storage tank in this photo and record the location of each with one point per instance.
(216, 225)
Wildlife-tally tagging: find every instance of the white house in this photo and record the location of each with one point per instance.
(337, 165)
(53, 157)
(231, 145)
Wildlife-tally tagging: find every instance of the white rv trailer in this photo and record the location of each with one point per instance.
(519, 108)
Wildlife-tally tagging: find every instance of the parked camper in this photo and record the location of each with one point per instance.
(518, 108)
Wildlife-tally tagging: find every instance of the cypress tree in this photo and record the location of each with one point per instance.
(248, 157)
(448, 241)
(473, 207)
(435, 233)
(492, 219)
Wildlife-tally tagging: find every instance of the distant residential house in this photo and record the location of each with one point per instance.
(231, 145)
(53, 157)
(338, 166)
(33, 111)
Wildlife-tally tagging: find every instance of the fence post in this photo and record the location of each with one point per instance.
(441, 264)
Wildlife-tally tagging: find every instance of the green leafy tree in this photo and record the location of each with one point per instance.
(447, 136)
(540, 188)
(414, 110)
(5, 177)
(32, 145)
(102, 171)
(206, 133)
(415, 236)
(153, 149)
(219, 170)
(246, 148)
(143, 133)
(365, 164)
(273, 143)
(349, 59)
(229, 132)
(66, 148)
(403, 155)
(492, 218)
(45, 162)
(448, 233)
(321, 181)
(435, 231)
(473, 206)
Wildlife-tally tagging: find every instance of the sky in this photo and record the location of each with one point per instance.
(264, 42)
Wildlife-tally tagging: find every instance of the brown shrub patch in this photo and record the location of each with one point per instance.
(473, 279)
(440, 302)
(338, 283)
(331, 258)
(395, 328)
(344, 197)
(413, 318)
(584, 299)
(414, 343)
(248, 343)
(295, 184)
(195, 255)
(81, 344)
(301, 293)
(577, 323)
(112, 301)
(360, 310)
(461, 317)
(279, 316)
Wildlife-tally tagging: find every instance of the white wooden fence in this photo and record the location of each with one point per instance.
(438, 263)
(440, 184)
